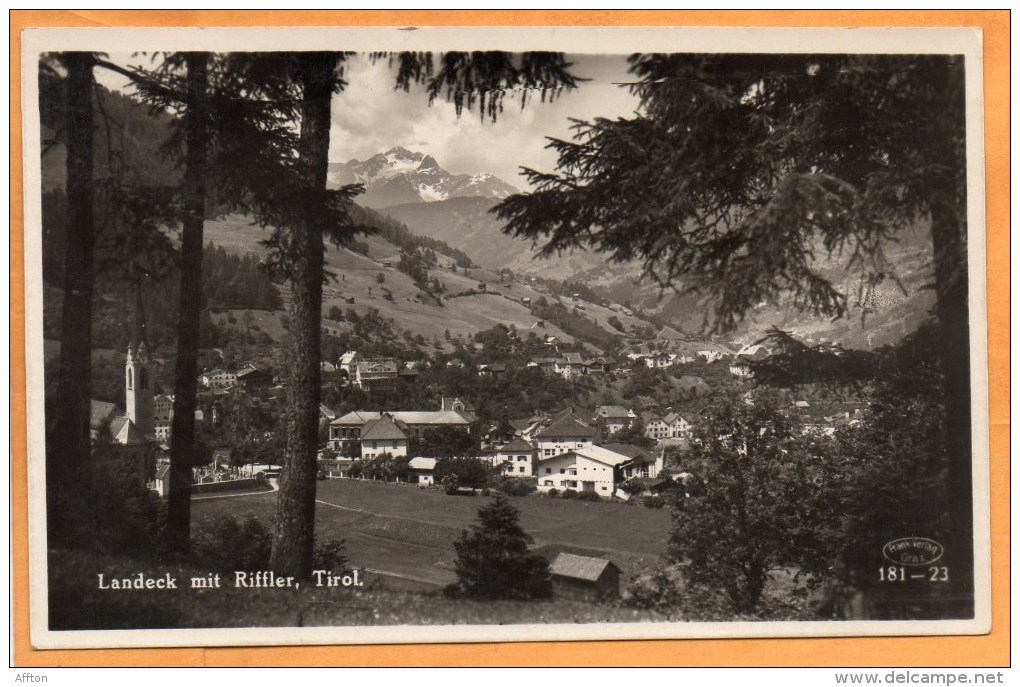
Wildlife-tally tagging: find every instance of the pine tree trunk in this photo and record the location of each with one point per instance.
(182, 443)
(69, 464)
(294, 540)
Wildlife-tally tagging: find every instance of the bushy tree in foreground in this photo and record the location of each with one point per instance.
(753, 508)
(493, 560)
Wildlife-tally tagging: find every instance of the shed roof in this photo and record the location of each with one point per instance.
(579, 567)
(420, 463)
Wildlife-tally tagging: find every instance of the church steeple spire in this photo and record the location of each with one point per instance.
(138, 389)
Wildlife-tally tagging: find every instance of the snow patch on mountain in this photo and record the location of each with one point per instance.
(399, 176)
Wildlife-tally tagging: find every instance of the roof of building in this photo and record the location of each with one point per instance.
(326, 411)
(567, 427)
(756, 351)
(573, 359)
(410, 417)
(384, 428)
(517, 445)
(125, 433)
(613, 411)
(628, 450)
(649, 482)
(252, 372)
(579, 567)
(100, 412)
(422, 463)
(348, 357)
(600, 454)
(163, 472)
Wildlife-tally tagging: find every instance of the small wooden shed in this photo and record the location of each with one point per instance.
(584, 577)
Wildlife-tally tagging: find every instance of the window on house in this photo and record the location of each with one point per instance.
(563, 471)
(572, 472)
(548, 471)
(547, 483)
(522, 469)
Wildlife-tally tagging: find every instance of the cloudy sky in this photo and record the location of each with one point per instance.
(371, 117)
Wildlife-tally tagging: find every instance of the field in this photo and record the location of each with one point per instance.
(356, 275)
(406, 534)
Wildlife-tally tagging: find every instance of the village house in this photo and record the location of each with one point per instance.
(376, 375)
(570, 365)
(218, 378)
(518, 458)
(656, 427)
(659, 360)
(564, 434)
(714, 352)
(347, 362)
(584, 578)
(592, 469)
(162, 480)
(162, 416)
(546, 365)
(384, 435)
(640, 462)
(492, 370)
(741, 369)
(615, 418)
(678, 426)
(251, 378)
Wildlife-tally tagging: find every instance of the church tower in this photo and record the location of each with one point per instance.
(138, 389)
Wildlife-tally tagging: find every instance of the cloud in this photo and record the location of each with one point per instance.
(370, 117)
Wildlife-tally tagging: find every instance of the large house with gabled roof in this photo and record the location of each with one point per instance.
(590, 468)
(384, 435)
(347, 432)
(517, 458)
(566, 433)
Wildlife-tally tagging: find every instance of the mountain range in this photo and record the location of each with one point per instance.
(460, 216)
(399, 176)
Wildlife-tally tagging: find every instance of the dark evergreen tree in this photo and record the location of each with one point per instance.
(493, 560)
(69, 463)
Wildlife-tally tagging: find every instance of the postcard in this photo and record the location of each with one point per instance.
(489, 334)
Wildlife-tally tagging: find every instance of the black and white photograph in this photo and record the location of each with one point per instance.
(429, 335)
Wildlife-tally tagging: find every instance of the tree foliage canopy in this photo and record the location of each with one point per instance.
(741, 172)
(752, 507)
(493, 560)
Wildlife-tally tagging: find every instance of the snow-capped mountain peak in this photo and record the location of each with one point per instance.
(399, 176)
